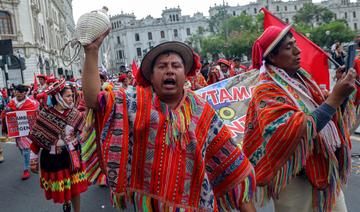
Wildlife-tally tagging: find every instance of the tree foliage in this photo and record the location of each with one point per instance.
(327, 34)
(326, 30)
(234, 36)
(311, 13)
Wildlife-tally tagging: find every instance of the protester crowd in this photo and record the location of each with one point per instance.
(161, 147)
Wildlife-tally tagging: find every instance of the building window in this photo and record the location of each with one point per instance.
(234, 13)
(5, 23)
(255, 10)
(170, 17)
(345, 14)
(335, 16)
(277, 8)
(295, 7)
(137, 37)
(118, 40)
(149, 35)
(285, 8)
(354, 14)
(355, 26)
(175, 32)
(162, 34)
(42, 33)
(188, 32)
(177, 17)
(173, 17)
(121, 55)
(138, 52)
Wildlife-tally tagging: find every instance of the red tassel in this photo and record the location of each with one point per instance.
(196, 66)
(257, 55)
(141, 80)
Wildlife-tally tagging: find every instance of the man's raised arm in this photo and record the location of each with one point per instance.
(91, 84)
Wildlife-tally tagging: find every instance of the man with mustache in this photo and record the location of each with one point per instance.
(164, 147)
(296, 136)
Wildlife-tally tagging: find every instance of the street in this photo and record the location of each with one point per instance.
(23, 196)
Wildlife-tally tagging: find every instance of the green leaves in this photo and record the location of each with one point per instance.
(318, 24)
(311, 13)
(234, 35)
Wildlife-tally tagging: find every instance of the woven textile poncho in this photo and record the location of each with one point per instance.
(281, 140)
(162, 159)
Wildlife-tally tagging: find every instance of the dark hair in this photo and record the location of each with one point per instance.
(21, 88)
(103, 76)
(276, 49)
(165, 53)
(53, 99)
(205, 64)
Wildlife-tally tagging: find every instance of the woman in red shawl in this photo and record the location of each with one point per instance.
(22, 103)
(56, 131)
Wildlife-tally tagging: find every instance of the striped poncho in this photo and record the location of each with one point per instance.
(157, 158)
(281, 139)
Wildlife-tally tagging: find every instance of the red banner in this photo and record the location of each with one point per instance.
(19, 122)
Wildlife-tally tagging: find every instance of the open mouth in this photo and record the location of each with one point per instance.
(169, 83)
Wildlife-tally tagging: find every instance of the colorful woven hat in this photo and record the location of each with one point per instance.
(266, 43)
(56, 87)
(190, 58)
(223, 61)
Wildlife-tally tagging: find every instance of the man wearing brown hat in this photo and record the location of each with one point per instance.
(164, 147)
(296, 136)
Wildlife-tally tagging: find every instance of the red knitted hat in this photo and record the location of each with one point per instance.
(122, 77)
(266, 43)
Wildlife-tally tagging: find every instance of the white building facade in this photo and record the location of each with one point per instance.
(38, 30)
(285, 10)
(131, 39)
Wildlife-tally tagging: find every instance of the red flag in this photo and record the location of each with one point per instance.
(313, 59)
(134, 68)
(36, 86)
